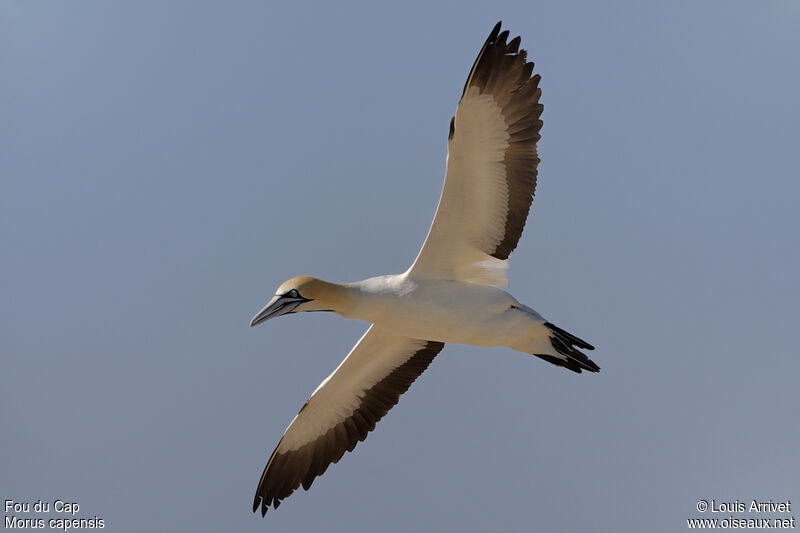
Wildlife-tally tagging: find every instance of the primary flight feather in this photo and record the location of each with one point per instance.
(452, 291)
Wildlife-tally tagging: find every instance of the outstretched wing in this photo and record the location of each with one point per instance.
(491, 169)
(343, 409)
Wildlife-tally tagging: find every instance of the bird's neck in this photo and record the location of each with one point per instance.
(341, 298)
(364, 300)
(369, 299)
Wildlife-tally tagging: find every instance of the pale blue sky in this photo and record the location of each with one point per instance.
(165, 165)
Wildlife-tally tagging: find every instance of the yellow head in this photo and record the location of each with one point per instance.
(303, 293)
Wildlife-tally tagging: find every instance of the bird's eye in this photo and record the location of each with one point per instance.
(293, 293)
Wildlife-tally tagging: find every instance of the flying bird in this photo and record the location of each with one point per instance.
(451, 293)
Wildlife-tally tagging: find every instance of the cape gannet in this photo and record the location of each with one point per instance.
(452, 291)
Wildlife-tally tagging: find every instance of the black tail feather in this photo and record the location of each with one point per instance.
(569, 337)
(565, 343)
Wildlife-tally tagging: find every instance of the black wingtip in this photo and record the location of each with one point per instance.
(259, 503)
(491, 39)
(501, 39)
(495, 31)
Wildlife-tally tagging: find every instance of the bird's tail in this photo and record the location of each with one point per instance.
(567, 344)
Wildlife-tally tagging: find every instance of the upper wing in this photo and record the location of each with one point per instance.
(491, 169)
(343, 409)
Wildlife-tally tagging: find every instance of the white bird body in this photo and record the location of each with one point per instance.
(452, 292)
(447, 311)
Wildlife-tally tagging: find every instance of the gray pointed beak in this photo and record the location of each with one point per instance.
(280, 305)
